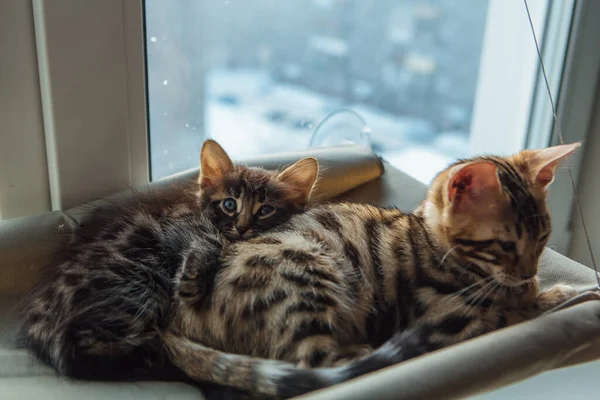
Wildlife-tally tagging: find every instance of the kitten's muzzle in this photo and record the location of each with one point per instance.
(241, 229)
(526, 276)
(513, 280)
(237, 234)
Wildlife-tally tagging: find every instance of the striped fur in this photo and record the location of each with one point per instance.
(339, 280)
(302, 305)
(110, 289)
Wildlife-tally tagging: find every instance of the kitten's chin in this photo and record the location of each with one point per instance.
(509, 281)
(235, 236)
(248, 235)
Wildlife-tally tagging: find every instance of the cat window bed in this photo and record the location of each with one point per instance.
(352, 173)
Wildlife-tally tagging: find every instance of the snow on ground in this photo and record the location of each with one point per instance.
(249, 114)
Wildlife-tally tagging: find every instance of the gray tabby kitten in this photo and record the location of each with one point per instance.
(110, 289)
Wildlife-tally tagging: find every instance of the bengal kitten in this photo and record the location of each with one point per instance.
(99, 314)
(337, 281)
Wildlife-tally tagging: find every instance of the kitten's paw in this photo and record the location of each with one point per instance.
(195, 283)
(555, 296)
(190, 292)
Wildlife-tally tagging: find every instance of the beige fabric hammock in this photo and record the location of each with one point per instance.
(349, 173)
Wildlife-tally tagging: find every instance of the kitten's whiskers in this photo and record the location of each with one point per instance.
(460, 292)
(474, 299)
(485, 283)
(480, 301)
(446, 255)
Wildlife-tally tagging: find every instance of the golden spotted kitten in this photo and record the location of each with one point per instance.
(335, 282)
(99, 314)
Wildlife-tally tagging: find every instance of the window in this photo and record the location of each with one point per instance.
(431, 80)
(258, 76)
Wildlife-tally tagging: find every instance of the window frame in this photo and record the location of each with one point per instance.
(84, 119)
(116, 101)
(24, 187)
(563, 29)
(507, 77)
(575, 100)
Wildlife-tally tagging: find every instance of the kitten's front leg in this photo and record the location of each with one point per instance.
(554, 297)
(545, 301)
(195, 282)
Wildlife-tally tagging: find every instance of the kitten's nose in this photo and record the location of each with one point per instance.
(527, 275)
(241, 229)
(528, 268)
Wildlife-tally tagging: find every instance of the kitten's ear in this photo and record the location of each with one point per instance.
(472, 185)
(301, 176)
(544, 162)
(214, 164)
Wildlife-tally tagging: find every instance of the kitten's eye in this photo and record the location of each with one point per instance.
(229, 204)
(265, 211)
(508, 246)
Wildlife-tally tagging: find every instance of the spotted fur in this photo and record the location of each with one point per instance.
(110, 289)
(303, 307)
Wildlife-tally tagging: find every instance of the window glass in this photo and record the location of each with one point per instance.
(259, 75)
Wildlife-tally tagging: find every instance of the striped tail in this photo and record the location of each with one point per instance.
(281, 380)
